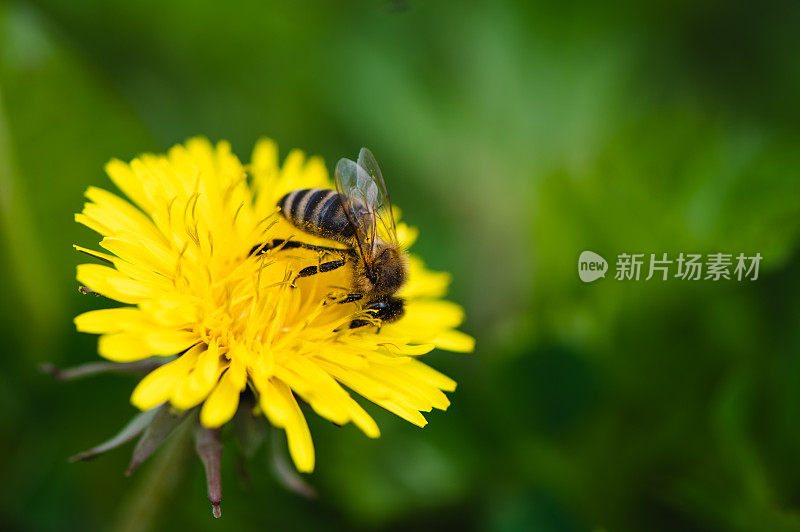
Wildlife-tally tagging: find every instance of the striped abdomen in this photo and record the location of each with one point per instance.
(317, 211)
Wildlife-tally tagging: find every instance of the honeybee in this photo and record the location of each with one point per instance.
(358, 214)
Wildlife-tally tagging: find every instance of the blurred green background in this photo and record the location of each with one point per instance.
(515, 135)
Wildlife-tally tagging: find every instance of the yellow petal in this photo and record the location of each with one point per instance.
(112, 284)
(357, 381)
(363, 421)
(157, 386)
(271, 402)
(290, 174)
(139, 250)
(221, 405)
(377, 392)
(264, 167)
(344, 355)
(301, 447)
(410, 350)
(119, 215)
(406, 235)
(265, 156)
(428, 374)
(318, 389)
(416, 392)
(423, 282)
(315, 174)
(454, 340)
(326, 396)
(196, 387)
(92, 224)
(122, 347)
(172, 310)
(111, 320)
(96, 254)
(126, 180)
(280, 407)
(170, 342)
(432, 314)
(403, 410)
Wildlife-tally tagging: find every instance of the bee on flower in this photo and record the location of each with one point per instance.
(232, 301)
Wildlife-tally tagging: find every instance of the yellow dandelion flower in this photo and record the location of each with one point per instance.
(178, 256)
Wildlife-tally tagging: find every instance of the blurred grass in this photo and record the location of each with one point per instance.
(515, 135)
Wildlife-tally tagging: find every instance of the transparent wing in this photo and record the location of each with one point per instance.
(358, 194)
(383, 206)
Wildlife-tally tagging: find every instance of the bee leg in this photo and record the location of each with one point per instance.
(263, 248)
(291, 244)
(386, 310)
(349, 298)
(322, 268)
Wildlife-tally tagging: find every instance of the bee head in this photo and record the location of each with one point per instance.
(388, 271)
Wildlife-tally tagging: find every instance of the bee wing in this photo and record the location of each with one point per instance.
(358, 194)
(383, 206)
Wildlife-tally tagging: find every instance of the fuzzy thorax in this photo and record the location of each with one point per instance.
(386, 276)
